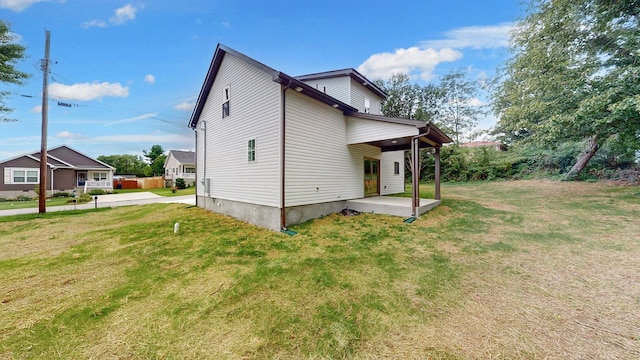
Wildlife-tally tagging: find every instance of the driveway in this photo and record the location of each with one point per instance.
(112, 200)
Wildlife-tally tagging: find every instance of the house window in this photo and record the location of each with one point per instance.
(396, 168)
(99, 176)
(25, 176)
(367, 104)
(251, 150)
(225, 101)
(189, 170)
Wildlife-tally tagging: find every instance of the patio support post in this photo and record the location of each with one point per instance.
(415, 176)
(437, 173)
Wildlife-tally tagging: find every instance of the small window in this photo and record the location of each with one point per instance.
(251, 150)
(396, 168)
(25, 176)
(99, 176)
(19, 176)
(189, 170)
(226, 96)
(367, 104)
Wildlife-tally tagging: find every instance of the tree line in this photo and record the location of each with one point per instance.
(152, 164)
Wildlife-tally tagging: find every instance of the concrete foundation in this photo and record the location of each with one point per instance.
(269, 216)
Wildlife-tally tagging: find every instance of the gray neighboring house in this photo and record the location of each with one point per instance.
(276, 150)
(180, 164)
(67, 170)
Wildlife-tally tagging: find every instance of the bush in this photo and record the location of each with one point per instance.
(23, 198)
(81, 199)
(97, 192)
(180, 183)
(3, 199)
(61, 194)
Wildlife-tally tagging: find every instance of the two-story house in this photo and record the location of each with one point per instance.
(276, 150)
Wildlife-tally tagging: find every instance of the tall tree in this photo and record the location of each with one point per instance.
(459, 109)
(10, 53)
(574, 76)
(126, 164)
(407, 100)
(156, 158)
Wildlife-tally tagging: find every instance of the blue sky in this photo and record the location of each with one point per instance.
(131, 70)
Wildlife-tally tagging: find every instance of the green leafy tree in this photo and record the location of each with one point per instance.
(407, 100)
(156, 158)
(10, 53)
(126, 164)
(574, 76)
(458, 107)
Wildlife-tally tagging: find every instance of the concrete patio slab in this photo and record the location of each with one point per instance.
(398, 206)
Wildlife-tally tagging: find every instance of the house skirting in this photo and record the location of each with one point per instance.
(268, 216)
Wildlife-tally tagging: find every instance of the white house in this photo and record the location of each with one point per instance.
(180, 164)
(276, 150)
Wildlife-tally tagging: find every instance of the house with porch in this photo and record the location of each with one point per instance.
(180, 164)
(276, 150)
(67, 170)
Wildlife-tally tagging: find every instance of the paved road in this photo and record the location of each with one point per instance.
(113, 200)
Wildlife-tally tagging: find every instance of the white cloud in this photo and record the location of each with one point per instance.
(137, 118)
(18, 5)
(424, 58)
(123, 14)
(150, 79)
(120, 16)
(408, 61)
(87, 91)
(36, 109)
(474, 37)
(94, 23)
(185, 106)
(69, 135)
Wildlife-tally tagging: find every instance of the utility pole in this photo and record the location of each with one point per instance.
(42, 194)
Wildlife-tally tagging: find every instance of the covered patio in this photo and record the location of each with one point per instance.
(424, 135)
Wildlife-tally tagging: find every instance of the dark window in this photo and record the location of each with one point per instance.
(226, 96)
(251, 150)
(396, 168)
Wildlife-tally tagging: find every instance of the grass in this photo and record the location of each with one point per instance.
(527, 269)
(59, 201)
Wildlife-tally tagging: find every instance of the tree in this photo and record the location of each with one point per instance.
(409, 101)
(126, 164)
(156, 158)
(458, 109)
(574, 76)
(10, 53)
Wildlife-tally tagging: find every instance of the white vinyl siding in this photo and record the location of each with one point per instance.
(390, 183)
(337, 87)
(361, 130)
(200, 156)
(359, 93)
(255, 111)
(319, 165)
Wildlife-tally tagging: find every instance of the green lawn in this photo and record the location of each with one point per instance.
(6, 205)
(514, 270)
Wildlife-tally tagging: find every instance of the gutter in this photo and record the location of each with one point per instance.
(283, 121)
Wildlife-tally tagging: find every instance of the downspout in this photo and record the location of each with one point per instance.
(196, 158)
(415, 173)
(52, 168)
(283, 215)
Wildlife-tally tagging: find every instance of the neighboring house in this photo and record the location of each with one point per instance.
(496, 145)
(276, 150)
(67, 170)
(180, 164)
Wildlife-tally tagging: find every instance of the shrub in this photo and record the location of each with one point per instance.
(97, 192)
(61, 194)
(180, 183)
(23, 198)
(3, 199)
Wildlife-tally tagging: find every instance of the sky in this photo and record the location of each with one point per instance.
(125, 75)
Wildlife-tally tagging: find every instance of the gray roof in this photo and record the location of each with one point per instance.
(66, 157)
(184, 157)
